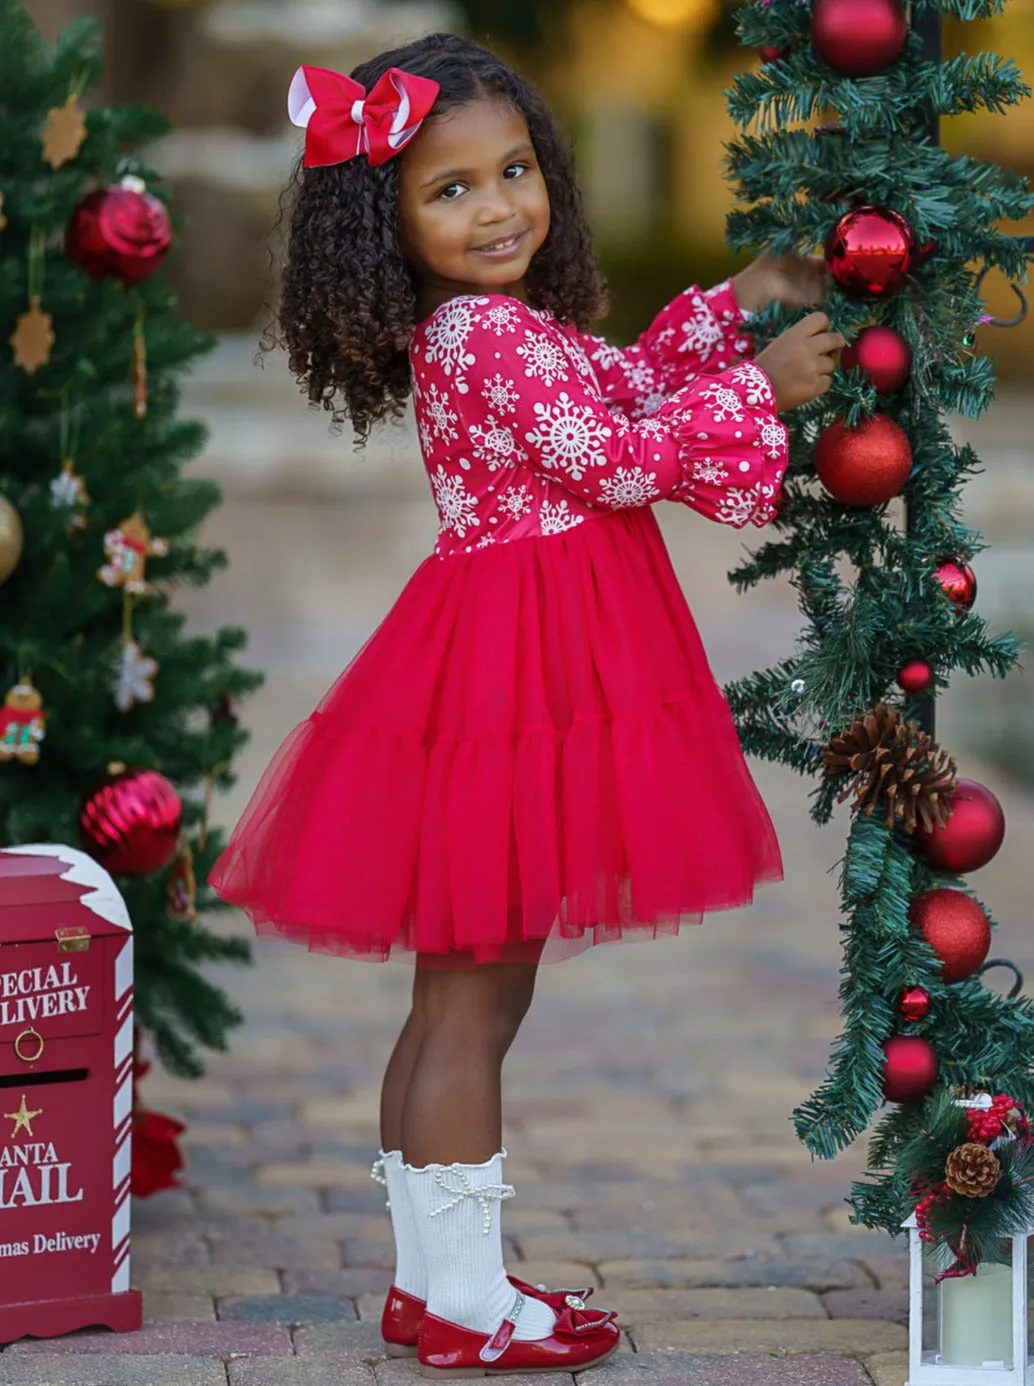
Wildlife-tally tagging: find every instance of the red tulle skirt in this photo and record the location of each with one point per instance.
(528, 757)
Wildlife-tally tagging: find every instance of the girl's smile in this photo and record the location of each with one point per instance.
(473, 203)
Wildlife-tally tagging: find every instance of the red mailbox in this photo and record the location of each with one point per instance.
(66, 1085)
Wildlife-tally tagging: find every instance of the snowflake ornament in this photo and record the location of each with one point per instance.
(68, 493)
(134, 672)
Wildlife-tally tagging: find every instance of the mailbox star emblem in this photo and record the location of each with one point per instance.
(22, 1118)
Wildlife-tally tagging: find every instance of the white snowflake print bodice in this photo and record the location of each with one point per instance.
(529, 428)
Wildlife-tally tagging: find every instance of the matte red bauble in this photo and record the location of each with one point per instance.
(883, 355)
(132, 823)
(914, 1003)
(870, 252)
(121, 231)
(865, 465)
(955, 927)
(971, 836)
(915, 676)
(909, 1068)
(858, 38)
(769, 54)
(958, 581)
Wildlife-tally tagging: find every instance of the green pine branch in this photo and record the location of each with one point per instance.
(865, 584)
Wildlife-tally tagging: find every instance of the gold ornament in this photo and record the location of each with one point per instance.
(895, 764)
(128, 548)
(32, 338)
(12, 538)
(22, 724)
(22, 1118)
(3, 219)
(63, 133)
(181, 891)
(972, 1170)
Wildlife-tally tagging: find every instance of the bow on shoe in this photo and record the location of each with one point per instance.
(556, 1299)
(578, 1321)
(342, 120)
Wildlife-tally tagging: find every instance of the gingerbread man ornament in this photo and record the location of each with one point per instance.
(128, 548)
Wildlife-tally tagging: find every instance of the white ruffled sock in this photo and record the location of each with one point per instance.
(410, 1274)
(460, 1234)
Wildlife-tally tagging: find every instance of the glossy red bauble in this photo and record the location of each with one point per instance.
(858, 38)
(915, 676)
(909, 1068)
(955, 927)
(870, 252)
(958, 581)
(971, 836)
(866, 465)
(883, 355)
(914, 1003)
(131, 825)
(769, 54)
(121, 231)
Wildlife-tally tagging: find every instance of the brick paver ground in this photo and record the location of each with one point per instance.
(647, 1098)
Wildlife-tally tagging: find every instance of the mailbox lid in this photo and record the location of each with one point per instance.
(47, 886)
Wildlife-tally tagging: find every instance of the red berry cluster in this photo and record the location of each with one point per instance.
(986, 1125)
(940, 1193)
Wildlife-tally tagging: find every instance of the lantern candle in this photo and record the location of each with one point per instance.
(976, 1318)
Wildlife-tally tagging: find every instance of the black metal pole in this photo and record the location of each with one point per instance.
(927, 25)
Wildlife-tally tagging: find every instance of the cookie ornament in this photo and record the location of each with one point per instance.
(22, 724)
(128, 548)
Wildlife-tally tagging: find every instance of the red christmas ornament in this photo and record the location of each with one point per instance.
(870, 252)
(955, 927)
(971, 836)
(914, 1003)
(769, 54)
(132, 823)
(866, 465)
(122, 231)
(909, 1068)
(883, 355)
(858, 38)
(915, 676)
(958, 581)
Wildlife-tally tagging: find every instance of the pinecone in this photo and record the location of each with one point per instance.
(894, 764)
(972, 1170)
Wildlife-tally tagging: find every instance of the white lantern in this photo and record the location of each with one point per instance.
(973, 1329)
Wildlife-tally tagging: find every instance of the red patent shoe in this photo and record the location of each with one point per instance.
(400, 1322)
(580, 1338)
(403, 1313)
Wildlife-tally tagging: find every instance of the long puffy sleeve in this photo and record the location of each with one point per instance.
(696, 333)
(526, 397)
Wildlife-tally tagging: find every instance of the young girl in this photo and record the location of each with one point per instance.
(530, 756)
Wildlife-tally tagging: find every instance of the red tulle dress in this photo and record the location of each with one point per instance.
(531, 755)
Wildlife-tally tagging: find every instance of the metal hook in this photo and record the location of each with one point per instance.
(1028, 242)
(1017, 986)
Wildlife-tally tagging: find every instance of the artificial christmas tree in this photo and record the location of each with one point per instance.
(870, 185)
(97, 663)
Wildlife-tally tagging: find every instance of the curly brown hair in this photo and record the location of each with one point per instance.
(348, 298)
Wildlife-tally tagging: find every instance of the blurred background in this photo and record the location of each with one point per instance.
(320, 540)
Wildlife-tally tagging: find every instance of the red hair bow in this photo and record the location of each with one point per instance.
(341, 120)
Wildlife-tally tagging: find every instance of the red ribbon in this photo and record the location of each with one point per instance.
(342, 120)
